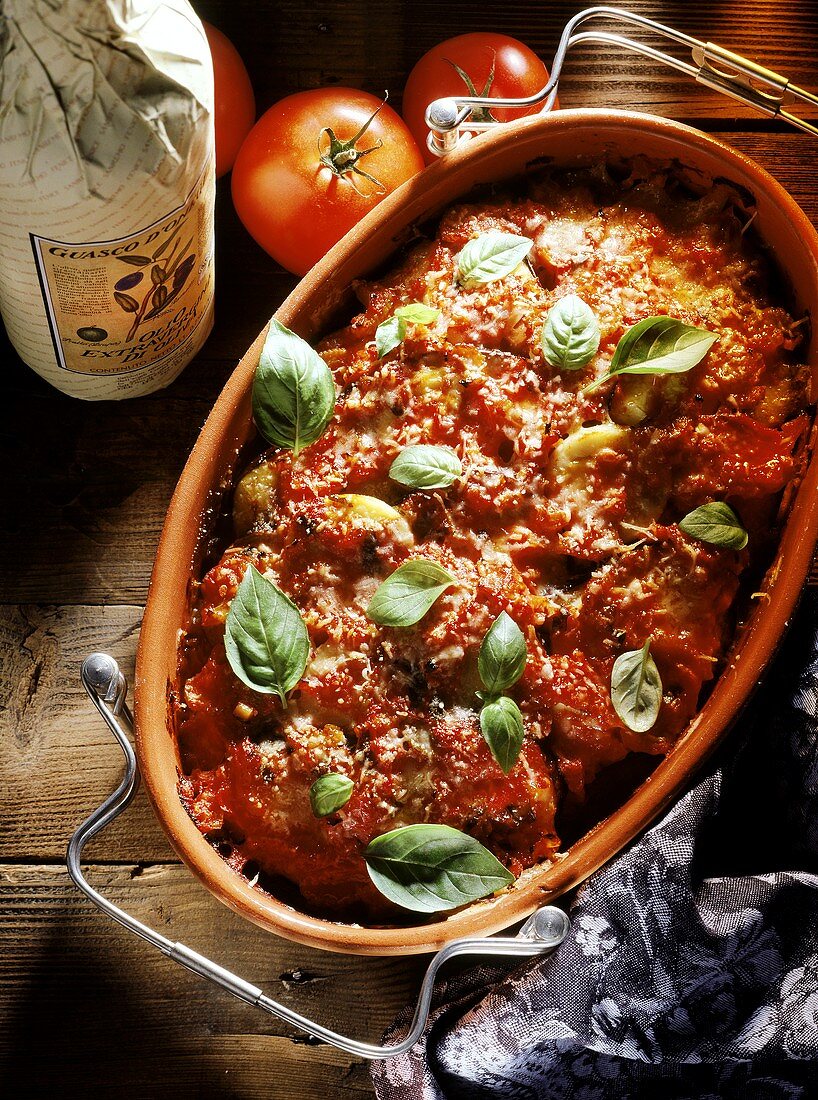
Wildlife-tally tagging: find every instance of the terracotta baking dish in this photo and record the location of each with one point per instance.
(316, 304)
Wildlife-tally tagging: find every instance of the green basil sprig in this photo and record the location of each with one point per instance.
(636, 689)
(424, 466)
(265, 638)
(329, 793)
(408, 593)
(293, 391)
(418, 313)
(501, 723)
(658, 345)
(502, 656)
(716, 523)
(490, 256)
(500, 663)
(570, 335)
(431, 868)
(392, 331)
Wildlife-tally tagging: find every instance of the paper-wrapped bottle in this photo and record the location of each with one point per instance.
(107, 185)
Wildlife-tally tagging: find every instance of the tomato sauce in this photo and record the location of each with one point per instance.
(566, 517)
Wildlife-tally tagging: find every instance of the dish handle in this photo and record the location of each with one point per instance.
(107, 688)
(449, 120)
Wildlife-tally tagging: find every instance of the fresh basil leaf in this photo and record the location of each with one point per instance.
(429, 868)
(392, 332)
(661, 345)
(490, 256)
(405, 596)
(265, 639)
(424, 466)
(636, 689)
(502, 655)
(329, 793)
(389, 334)
(418, 313)
(658, 345)
(716, 523)
(293, 391)
(501, 724)
(570, 335)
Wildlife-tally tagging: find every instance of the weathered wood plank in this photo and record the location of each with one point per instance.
(57, 759)
(111, 1013)
(90, 490)
(91, 483)
(373, 46)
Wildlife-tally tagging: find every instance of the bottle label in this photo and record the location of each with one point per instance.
(122, 305)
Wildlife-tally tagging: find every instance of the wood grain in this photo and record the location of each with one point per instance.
(373, 45)
(57, 759)
(69, 961)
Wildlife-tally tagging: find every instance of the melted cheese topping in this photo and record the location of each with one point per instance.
(565, 517)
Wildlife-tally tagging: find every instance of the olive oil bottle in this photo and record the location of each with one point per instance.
(107, 184)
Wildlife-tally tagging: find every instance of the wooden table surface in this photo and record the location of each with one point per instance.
(86, 1009)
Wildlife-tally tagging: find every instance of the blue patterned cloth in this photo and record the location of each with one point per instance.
(691, 967)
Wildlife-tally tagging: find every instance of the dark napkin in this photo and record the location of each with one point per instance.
(691, 967)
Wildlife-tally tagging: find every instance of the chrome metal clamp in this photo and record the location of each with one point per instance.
(107, 688)
(449, 119)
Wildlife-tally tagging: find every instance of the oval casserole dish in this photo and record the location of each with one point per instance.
(564, 137)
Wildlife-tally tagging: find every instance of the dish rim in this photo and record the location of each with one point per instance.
(205, 470)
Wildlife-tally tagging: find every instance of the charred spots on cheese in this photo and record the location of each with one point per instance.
(679, 188)
(369, 554)
(576, 572)
(225, 841)
(543, 633)
(505, 450)
(306, 524)
(251, 870)
(565, 517)
(619, 171)
(429, 517)
(518, 816)
(411, 678)
(436, 706)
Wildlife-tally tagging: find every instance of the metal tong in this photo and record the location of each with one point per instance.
(449, 119)
(107, 688)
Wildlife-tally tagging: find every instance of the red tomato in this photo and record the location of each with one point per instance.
(313, 165)
(494, 65)
(235, 104)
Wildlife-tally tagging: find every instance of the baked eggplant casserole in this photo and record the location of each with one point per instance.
(505, 530)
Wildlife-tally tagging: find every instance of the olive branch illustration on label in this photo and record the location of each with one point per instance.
(166, 281)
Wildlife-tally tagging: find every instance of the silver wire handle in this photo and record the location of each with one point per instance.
(107, 688)
(449, 119)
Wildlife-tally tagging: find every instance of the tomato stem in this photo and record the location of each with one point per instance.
(342, 157)
(478, 114)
